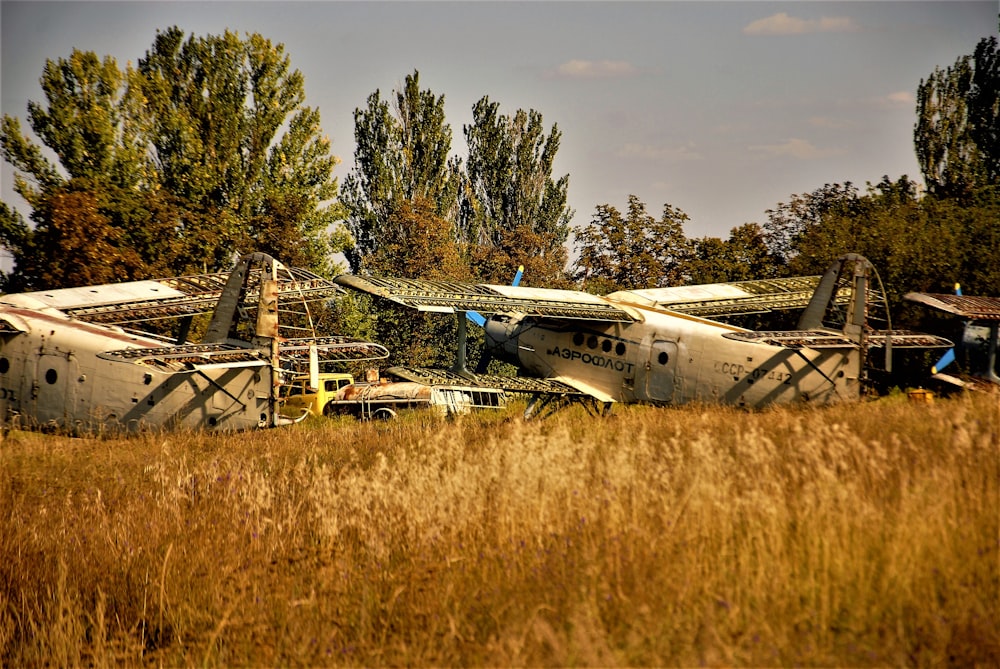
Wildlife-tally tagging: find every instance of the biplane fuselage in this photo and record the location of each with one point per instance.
(67, 361)
(663, 346)
(52, 375)
(669, 358)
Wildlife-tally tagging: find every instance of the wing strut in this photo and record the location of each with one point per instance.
(462, 350)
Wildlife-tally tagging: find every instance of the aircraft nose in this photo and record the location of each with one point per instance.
(501, 337)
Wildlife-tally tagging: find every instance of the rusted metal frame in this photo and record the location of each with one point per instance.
(517, 384)
(738, 306)
(792, 284)
(495, 303)
(794, 338)
(200, 298)
(209, 352)
(468, 297)
(972, 307)
(340, 349)
(907, 339)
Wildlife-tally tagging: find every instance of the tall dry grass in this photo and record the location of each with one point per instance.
(856, 535)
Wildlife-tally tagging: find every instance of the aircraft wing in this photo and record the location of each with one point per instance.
(819, 339)
(155, 299)
(188, 356)
(729, 299)
(965, 306)
(452, 296)
(511, 384)
(332, 349)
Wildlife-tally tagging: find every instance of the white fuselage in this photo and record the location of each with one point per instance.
(670, 358)
(51, 375)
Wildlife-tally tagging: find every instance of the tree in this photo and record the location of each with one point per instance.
(635, 251)
(513, 213)
(86, 124)
(425, 249)
(399, 158)
(787, 222)
(741, 257)
(958, 112)
(215, 108)
(199, 153)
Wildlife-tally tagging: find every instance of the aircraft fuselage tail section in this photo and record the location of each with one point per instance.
(670, 359)
(59, 380)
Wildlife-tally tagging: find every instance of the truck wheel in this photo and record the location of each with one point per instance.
(383, 414)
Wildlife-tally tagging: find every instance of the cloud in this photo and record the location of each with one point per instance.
(800, 149)
(595, 69)
(900, 98)
(891, 101)
(783, 24)
(829, 123)
(660, 154)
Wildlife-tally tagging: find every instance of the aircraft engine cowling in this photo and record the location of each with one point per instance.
(502, 331)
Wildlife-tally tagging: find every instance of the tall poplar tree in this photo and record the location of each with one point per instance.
(956, 135)
(401, 163)
(514, 212)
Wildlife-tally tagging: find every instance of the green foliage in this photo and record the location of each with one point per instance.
(513, 212)
(398, 159)
(916, 243)
(635, 251)
(419, 244)
(202, 151)
(958, 113)
(743, 256)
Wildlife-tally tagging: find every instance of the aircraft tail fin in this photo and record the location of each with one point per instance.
(853, 277)
(849, 275)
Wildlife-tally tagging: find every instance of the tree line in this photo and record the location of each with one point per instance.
(205, 149)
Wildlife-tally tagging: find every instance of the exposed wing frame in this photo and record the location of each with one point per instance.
(448, 297)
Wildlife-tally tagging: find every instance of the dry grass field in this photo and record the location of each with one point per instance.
(858, 535)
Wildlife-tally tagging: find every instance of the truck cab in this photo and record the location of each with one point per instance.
(299, 396)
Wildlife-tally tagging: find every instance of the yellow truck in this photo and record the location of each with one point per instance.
(299, 396)
(336, 394)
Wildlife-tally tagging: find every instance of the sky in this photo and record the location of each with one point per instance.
(720, 109)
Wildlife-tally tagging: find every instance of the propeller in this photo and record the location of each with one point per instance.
(949, 355)
(477, 317)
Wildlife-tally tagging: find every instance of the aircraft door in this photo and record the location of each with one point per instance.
(660, 369)
(54, 390)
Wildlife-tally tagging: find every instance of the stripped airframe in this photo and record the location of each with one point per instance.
(76, 359)
(669, 346)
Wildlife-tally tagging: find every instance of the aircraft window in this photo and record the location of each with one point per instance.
(578, 339)
(662, 358)
(606, 345)
(592, 342)
(620, 348)
(4, 365)
(51, 376)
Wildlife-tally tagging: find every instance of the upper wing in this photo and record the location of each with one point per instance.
(966, 306)
(153, 299)
(449, 296)
(729, 299)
